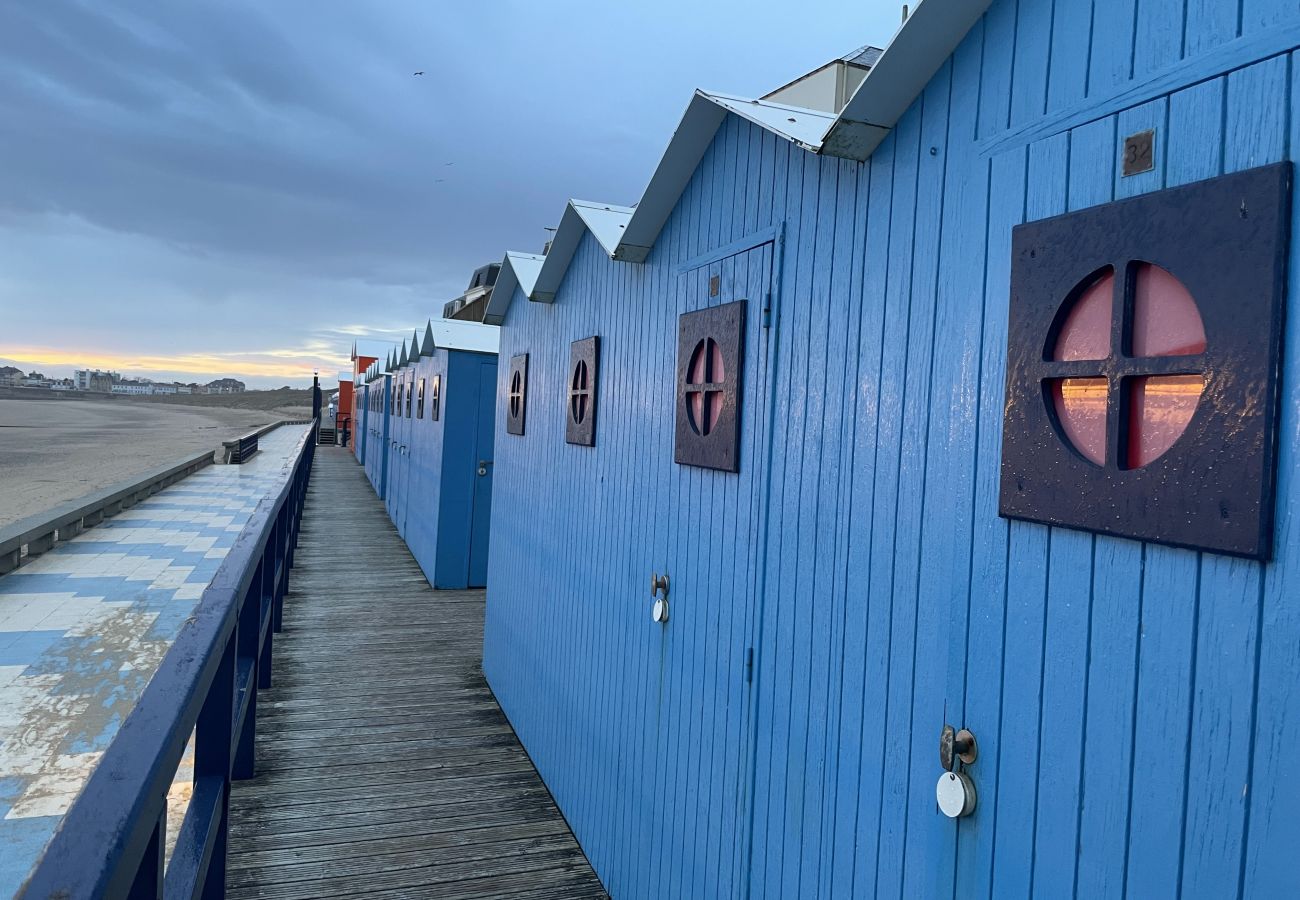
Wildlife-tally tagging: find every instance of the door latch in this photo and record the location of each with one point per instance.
(483, 466)
(659, 591)
(955, 792)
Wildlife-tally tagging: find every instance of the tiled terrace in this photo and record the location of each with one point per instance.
(83, 628)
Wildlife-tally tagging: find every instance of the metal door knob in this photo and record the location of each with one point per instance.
(955, 746)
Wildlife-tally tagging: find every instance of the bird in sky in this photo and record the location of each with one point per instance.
(418, 73)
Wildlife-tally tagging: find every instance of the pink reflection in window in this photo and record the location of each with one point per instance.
(1160, 408)
(1166, 321)
(1085, 334)
(1081, 410)
(704, 379)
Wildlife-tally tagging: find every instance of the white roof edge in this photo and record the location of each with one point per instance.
(458, 334)
(518, 270)
(699, 123)
(364, 347)
(804, 127)
(918, 50)
(607, 224)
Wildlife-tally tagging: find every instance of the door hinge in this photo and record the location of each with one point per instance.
(749, 664)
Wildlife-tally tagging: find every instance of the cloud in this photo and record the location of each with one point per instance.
(187, 180)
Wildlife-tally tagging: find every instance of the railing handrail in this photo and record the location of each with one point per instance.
(263, 431)
(104, 839)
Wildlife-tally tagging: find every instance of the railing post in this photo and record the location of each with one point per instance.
(212, 760)
(266, 608)
(247, 636)
(148, 883)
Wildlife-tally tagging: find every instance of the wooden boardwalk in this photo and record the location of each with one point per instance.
(385, 767)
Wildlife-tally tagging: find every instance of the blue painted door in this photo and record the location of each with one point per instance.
(484, 430)
(362, 425)
(704, 534)
(402, 454)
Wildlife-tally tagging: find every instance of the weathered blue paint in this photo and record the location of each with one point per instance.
(1135, 705)
(111, 841)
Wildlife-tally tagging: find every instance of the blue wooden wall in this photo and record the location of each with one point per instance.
(441, 467)
(1136, 706)
(426, 470)
(377, 453)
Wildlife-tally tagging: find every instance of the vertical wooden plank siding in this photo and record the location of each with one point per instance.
(1134, 704)
(1275, 787)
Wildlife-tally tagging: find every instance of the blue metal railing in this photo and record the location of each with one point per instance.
(111, 842)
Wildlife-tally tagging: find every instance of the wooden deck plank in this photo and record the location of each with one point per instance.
(384, 765)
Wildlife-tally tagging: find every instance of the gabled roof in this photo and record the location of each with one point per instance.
(458, 334)
(403, 359)
(426, 349)
(370, 349)
(699, 124)
(518, 270)
(606, 223)
(897, 77)
(416, 349)
(919, 49)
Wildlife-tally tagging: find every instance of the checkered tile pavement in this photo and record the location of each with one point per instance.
(83, 628)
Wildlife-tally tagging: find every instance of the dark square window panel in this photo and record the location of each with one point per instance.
(435, 397)
(517, 394)
(580, 418)
(1143, 362)
(710, 362)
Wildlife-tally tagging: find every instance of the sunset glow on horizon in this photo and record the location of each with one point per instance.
(292, 364)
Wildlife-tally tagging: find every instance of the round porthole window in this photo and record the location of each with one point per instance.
(516, 394)
(580, 392)
(1136, 368)
(705, 378)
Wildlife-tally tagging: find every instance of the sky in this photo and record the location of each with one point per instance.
(229, 188)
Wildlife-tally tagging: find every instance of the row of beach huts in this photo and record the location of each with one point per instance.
(900, 498)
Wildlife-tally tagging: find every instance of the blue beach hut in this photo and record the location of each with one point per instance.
(440, 492)
(824, 614)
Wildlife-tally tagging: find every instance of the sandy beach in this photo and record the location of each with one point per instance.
(52, 451)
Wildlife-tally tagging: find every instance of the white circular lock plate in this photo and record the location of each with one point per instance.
(660, 610)
(956, 794)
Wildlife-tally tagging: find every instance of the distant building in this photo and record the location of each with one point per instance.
(829, 87)
(96, 380)
(225, 386)
(164, 388)
(182, 388)
(133, 388)
(10, 376)
(470, 306)
(63, 384)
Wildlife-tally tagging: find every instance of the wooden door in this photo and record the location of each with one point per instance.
(484, 428)
(706, 537)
